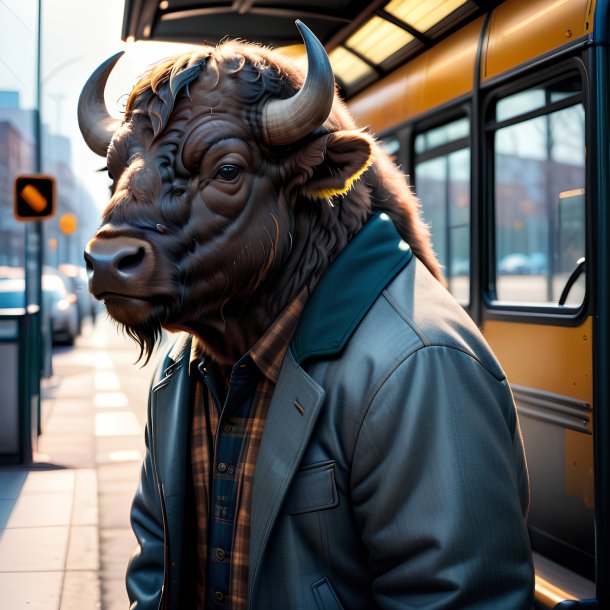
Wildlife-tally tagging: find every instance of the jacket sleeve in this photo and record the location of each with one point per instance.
(145, 571)
(440, 489)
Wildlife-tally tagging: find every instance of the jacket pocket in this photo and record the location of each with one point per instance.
(325, 595)
(313, 488)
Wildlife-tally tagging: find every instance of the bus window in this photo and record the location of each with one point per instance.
(391, 146)
(442, 178)
(539, 151)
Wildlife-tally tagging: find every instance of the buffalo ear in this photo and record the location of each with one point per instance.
(334, 162)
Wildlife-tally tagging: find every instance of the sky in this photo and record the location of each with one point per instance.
(77, 35)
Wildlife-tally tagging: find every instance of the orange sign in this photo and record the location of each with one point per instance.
(67, 224)
(34, 197)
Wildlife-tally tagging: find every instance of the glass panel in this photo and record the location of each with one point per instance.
(377, 39)
(540, 207)
(533, 99)
(443, 186)
(390, 145)
(456, 130)
(347, 66)
(422, 15)
(17, 117)
(520, 103)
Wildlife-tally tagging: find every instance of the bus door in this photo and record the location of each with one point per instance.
(536, 314)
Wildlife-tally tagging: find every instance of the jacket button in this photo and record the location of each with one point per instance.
(220, 554)
(219, 597)
(222, 467)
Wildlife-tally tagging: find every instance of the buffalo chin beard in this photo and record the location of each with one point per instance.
(141, 319)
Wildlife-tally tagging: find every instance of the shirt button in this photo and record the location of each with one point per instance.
(220, 554)
(227, 428)
(222, 467)
(219, 597)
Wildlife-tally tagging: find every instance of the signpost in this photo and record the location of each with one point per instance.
(34, 197)
(34, 201)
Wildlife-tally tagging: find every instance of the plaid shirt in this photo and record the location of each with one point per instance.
(223, 489)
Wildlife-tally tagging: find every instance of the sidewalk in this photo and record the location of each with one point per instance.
(64, 522)
(49, 539)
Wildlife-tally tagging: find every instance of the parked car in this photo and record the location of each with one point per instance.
(59, 305)
(517, 263)
(77, 282)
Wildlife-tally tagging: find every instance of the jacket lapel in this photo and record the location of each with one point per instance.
(292, 415)
(170, 417)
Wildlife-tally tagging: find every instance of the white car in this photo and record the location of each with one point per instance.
(59, 305)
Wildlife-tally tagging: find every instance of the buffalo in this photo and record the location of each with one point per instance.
(330, 429)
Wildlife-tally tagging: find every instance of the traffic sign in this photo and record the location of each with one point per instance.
(34, 197)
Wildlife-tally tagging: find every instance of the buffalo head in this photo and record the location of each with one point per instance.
(235, 182)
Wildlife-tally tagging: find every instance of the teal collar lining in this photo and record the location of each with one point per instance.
(348, 289)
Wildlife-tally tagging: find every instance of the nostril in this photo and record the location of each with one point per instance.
(88, 264)
(131, 261)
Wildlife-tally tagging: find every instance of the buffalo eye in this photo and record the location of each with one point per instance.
(228, 172)
(178, 191)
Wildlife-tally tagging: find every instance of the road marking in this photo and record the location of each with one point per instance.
(127, 455)
(106, 380)
(112, 400)
(123, 423)
(103, 361)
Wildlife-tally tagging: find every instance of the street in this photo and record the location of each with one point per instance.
(73, 553)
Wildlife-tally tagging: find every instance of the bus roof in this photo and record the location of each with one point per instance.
(366, 40)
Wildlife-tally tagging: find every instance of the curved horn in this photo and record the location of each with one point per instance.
(289, 120)
(94, 120)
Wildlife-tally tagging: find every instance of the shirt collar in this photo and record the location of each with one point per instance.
(269, 351)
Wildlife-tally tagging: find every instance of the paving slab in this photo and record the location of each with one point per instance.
(49, 481)
(83, 548)
(31, 591)
(34, 549)
(81, 591)
(11, 483)
(39, 510)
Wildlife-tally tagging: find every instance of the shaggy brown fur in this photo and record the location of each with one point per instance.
(390, 191)
(232, 255)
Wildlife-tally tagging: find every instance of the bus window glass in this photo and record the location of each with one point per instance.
(391, 146)
(535, 99)
(440, 136)
(443, 186)
(519, 103)
(540, 207)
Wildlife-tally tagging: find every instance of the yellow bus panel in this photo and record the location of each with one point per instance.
(520, 31)
(382, 105)
(556, 359)
(444, 72)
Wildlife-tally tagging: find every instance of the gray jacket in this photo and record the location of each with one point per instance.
(399, 481)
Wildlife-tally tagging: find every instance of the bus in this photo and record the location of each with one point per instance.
(498, 113)
(502, 129)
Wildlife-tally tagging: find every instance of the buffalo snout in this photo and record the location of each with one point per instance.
(119, 265)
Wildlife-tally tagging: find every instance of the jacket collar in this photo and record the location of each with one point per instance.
(347, 290)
